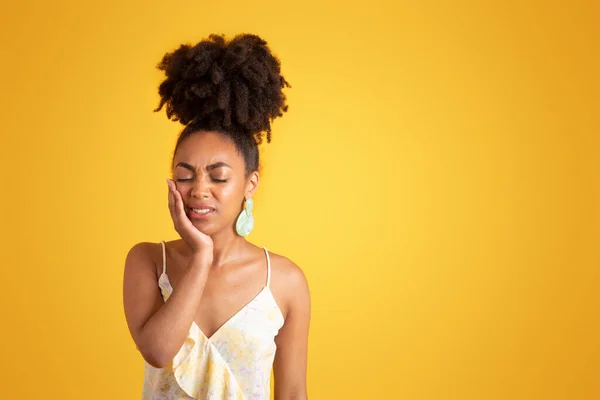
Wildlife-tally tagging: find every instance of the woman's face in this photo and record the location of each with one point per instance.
(210, 174)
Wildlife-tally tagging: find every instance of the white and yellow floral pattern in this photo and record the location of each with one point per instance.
(233, 364)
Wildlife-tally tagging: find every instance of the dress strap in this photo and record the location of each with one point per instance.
(268, 267)
(162, 242)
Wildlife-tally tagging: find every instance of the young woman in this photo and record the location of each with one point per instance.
(212, 314)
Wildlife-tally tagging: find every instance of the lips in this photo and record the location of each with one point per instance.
(201, 208)
(203, 211)
(200, 211)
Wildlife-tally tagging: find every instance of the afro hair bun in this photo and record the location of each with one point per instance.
(233, 86)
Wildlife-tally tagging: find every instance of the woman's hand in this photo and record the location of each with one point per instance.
(200, 243)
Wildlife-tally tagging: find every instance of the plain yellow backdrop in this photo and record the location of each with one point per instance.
(437, 177)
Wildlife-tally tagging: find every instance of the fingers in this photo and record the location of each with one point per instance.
(180, 212)
(179, 203)
(172, 202)
(175, 203)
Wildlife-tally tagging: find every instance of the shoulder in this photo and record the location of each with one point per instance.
(288, 282)
(144, 250)
(144, 255)
(285, 270)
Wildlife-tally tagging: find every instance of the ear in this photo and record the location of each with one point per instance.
(252, 184)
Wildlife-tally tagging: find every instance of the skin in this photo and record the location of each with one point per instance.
(214, 271)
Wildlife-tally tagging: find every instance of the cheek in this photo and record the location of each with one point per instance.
(232, 195)
(184, 189)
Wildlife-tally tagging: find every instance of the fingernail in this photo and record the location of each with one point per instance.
(168, 184)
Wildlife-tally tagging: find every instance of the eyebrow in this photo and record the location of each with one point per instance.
(208, 168)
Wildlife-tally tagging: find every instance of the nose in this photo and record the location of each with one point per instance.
(201, 188)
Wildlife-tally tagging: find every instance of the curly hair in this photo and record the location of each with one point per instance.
(234, 87)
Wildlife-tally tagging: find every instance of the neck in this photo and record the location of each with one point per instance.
(227, 246)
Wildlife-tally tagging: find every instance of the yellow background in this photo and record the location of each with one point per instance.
(437, 178)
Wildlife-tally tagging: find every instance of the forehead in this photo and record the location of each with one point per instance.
(205, 148)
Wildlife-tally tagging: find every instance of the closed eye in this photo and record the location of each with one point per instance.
(191, 179)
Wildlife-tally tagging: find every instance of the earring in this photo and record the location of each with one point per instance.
(245, 221)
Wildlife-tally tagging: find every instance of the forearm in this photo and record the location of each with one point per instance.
(164, 333)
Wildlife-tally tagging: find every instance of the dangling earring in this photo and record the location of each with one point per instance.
(245, 221)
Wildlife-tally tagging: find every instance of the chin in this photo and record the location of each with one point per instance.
(207, 229)
(204, 227)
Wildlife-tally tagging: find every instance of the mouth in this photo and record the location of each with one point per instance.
(200, 213)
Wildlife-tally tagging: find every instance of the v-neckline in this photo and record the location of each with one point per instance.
(228, 320)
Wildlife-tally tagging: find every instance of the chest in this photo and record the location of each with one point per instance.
(231, 293)
(224, 298)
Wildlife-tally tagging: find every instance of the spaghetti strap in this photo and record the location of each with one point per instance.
(268, 267)
(162, 242)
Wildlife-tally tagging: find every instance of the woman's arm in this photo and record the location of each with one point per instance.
(292, 341)
(159, 328)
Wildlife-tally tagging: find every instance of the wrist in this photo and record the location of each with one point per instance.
(201, 260)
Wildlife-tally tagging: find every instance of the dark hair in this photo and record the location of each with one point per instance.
(233, 87)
